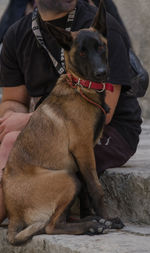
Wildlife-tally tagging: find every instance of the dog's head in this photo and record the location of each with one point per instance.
(85, 50)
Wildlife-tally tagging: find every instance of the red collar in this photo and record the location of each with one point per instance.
(91, 85)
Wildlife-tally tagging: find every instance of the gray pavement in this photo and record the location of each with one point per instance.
(129, 240)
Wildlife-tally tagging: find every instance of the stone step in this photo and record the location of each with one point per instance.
(127, 189)
(132, 239)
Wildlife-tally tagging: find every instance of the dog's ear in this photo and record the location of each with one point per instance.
(99, 22)
(63, 37)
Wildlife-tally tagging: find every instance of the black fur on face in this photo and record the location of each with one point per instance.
(89, 57)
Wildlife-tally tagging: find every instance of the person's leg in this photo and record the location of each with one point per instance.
(14, 11)
(112, 151)
(5, 149)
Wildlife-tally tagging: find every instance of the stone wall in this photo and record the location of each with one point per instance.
(136, 16)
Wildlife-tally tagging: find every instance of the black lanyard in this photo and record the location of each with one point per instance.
(60, 67)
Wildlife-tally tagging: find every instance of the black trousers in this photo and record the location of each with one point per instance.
(112, 151)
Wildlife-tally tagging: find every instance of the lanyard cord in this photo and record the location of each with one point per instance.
(60, 67)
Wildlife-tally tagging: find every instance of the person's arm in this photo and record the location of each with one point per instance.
(112, 100)
(14, 99)
(14, 110)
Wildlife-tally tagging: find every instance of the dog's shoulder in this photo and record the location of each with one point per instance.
(62, 87)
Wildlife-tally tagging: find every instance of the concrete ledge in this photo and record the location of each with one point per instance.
(130, 240)
(127, 194)
(127, 189)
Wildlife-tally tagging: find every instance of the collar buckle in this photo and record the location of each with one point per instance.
(90, 83)
(78, 83)
(104, 87)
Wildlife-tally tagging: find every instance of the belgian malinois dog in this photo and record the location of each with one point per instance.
(40, 180)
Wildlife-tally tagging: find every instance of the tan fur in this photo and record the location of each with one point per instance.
(37, 181)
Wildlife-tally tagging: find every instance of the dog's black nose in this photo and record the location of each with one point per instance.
(99, 72)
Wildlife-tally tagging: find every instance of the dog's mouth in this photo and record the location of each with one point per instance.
(99, 79)
(102, 79)
(98, 75)
(88, 75)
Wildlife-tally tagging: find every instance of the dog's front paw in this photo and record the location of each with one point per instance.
(96, 228)
(116, 223)
(113, 223)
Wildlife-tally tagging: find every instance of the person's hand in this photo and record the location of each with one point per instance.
(13, 121)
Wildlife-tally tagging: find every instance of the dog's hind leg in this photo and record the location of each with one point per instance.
(67, 199)
(41, 213)
(87, 227)
(13, 228)
(17, 238)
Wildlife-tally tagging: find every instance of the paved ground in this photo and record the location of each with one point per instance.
(132, 239)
